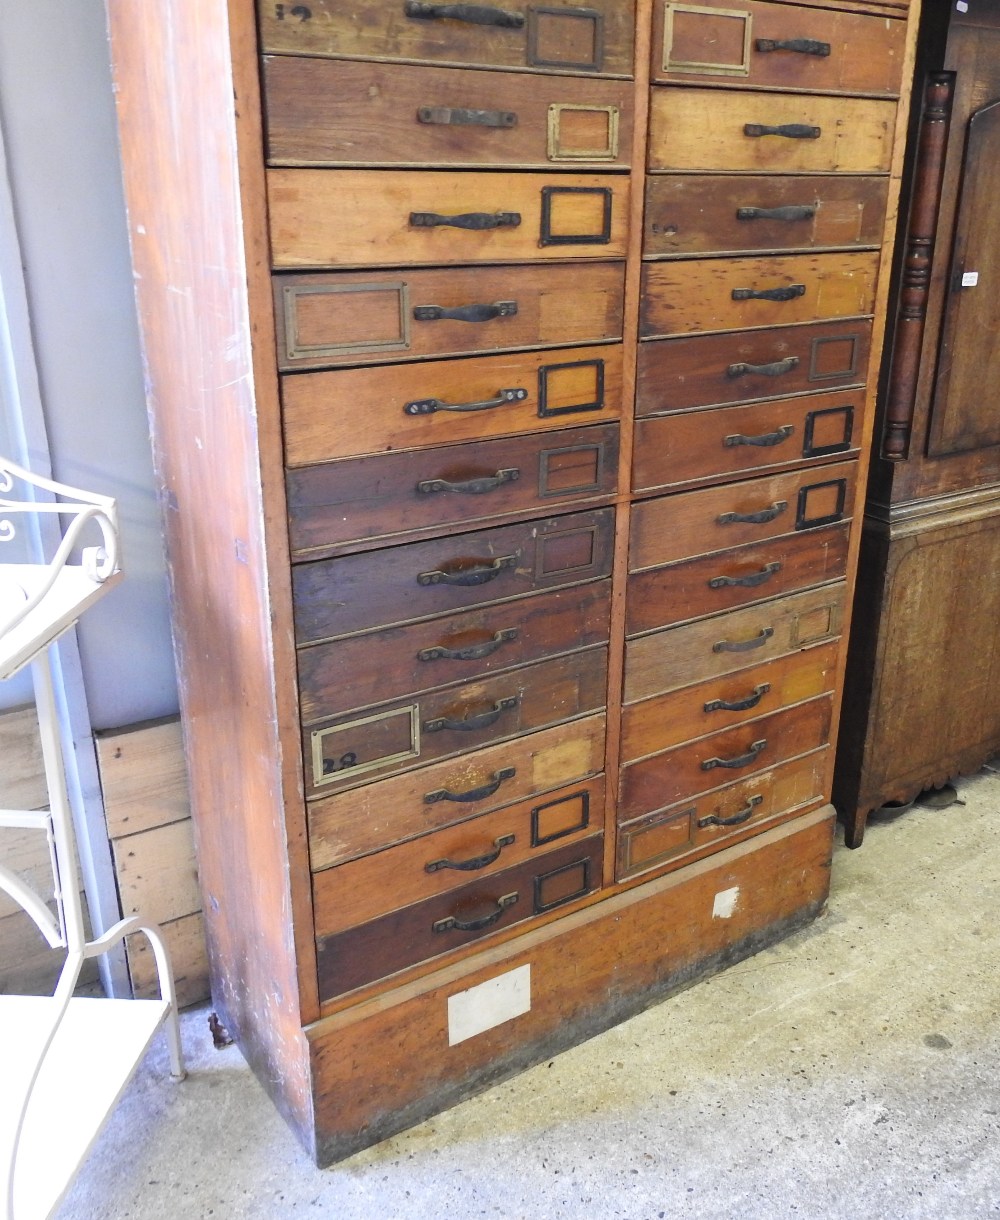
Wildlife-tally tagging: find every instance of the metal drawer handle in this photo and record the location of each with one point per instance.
(744, 814)
(759, 518)
(742, 760)
(787, 292)
(765, 440)
(777, 368)
(791, 131)
(455, 116)
(465, 313)
(744, 645)
(801, 46)
(739, 705)
(474, 14)
(469, 724)
(471, 794)
(477, 221)
(477, 862)
(791, 211)
(478, 574)
(451, 924)
(474, 652)
(471, 487)
(745, 582)
(427, 406)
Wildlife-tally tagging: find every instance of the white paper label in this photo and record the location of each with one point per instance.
(488, 1004)
(725, 903)
(970, 279)
(961, 6)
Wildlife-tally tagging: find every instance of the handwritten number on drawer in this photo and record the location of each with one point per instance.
(299, 10)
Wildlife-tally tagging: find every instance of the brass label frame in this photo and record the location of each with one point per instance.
(802, 522)
(556, 153)
(817, 343)
(540, 840)
(349, 771)
(546, 412)
(593, 15)
(592, 487)
(695, 66)
(295, 350)
(810, 450)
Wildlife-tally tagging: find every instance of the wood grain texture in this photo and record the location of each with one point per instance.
(185, 939)
(143, 778)
(157, 873)
(22, 774)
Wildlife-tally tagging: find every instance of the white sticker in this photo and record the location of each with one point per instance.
(488, 1004)
(970, 279)
(725, 903)
(961, 6)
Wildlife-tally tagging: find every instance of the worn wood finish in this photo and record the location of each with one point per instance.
(144, 779)
(185, 938)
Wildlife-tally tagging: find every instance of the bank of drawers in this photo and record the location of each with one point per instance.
(449, 343)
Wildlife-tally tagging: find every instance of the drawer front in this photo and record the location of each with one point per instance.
(671, 450)
(669, 835)
(366, 819)
(398, 661)
(730, 294)
(556, 37)
(700, 522)
(438, 925)
(726, 214)
(338, 112)
(363, 889)
(698, 766)
(384, 218)
(412, 406)
(403, 495)
(694, 587)
(711, 370)
(736, 132)
(366, 316)
(669, 720)
(334, 597)
(680, 656)
(394, 737)
(783, 46)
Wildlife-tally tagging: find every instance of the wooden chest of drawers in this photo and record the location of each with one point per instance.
(509, 379)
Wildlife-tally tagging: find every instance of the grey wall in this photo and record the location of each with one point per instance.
(57, 116)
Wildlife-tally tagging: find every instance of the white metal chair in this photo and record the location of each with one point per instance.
(64, 1059)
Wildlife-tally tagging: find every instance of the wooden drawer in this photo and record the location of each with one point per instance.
(727, 700)
(671, 450)
(336, 597)
(679, 656)
(366, 819)
(731, 294)
(698, 766)
(699, 522)
(439, 925)
(710, 370)
(363, 889)
(557, 37)
(719, 818)
(725, 214)
(338, 112)
(349, 674)
(382, 218)
(731, 131)
(394, 737)
(398, 496)
(365, 316)
(710, 583)
(734, 44)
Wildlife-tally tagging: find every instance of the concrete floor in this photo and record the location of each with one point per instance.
(851, 1071)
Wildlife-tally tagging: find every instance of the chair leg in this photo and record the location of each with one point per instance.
(854, 827)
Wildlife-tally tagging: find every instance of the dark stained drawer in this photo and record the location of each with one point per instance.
(729, 699)
(762, 132)
(725, 214)
(679, 656)
(375, 217)
(744, 366)
(719, 818)
(366, 819)
(761, 46)
(336, 597)
(699, 766)
(383, 665)
(374, 316)
(730, 294)
(339, 112)
(672, 450)
(378, 949)
(556, 37)
(699, 522)
(394, 737)
(345, 412)
(695, 587)
(401, 496)
(361, 890)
